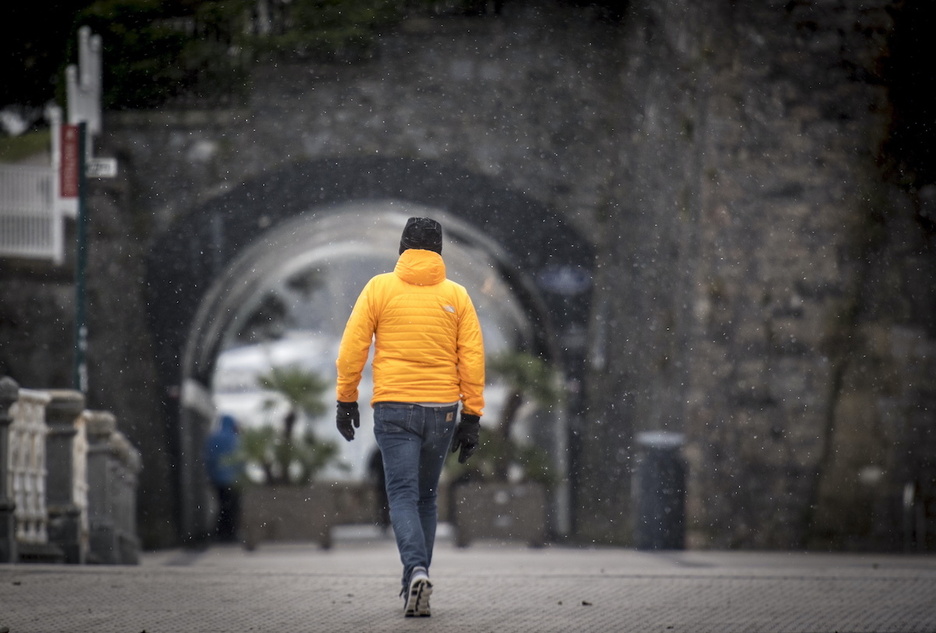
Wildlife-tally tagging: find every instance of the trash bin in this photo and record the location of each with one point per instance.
(659, 491)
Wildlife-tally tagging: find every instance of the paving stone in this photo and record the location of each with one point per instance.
(487, 587)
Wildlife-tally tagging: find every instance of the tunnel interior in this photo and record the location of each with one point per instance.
(283, 303)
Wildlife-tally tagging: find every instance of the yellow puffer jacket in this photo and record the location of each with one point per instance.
(427, 339)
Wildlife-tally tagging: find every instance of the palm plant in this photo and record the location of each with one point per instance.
(283, 457)
(528, 379)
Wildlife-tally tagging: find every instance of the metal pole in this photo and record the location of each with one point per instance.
(81, 260)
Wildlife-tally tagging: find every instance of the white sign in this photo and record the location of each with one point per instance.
(101, 168)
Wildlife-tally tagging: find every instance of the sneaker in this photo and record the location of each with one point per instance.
(417, 597)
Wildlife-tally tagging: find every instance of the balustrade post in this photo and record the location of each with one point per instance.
(129, 463)
(66, 524)
(102, 488)
(113, 465)
(9, 393)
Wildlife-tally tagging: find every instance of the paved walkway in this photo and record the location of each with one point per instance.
(493, 588)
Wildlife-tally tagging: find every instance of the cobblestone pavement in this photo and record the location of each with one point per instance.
(487, 587)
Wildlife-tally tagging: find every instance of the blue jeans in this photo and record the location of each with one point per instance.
(414, 441)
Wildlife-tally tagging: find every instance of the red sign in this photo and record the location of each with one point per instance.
(68, 166)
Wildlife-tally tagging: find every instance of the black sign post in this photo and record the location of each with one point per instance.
(81, 261)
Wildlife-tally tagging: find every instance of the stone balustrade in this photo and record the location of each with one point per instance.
(68, 480)
(26, 468)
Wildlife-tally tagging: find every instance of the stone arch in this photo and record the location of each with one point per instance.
(547, 264)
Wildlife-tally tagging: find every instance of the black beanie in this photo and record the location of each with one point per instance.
(422, 233)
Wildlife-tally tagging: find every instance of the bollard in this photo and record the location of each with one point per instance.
(9, 393)
(659, 491)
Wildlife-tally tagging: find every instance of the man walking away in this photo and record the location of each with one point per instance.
(428, 360)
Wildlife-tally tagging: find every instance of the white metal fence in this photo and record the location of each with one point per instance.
(31, 207)
(31, 225)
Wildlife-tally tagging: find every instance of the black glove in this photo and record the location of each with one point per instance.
(349, 418)
(466, 436)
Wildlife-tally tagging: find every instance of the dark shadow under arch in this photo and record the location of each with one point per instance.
(543, 257)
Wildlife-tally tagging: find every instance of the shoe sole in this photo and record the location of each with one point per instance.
(417, 602)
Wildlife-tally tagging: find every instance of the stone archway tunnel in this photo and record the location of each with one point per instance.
(197, 274)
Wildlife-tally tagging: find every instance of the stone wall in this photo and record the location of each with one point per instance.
(782, 282)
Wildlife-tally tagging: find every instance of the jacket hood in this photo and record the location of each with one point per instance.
(420, 268)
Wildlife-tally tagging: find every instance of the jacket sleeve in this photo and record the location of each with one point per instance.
(470, 352)
(355, 346)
